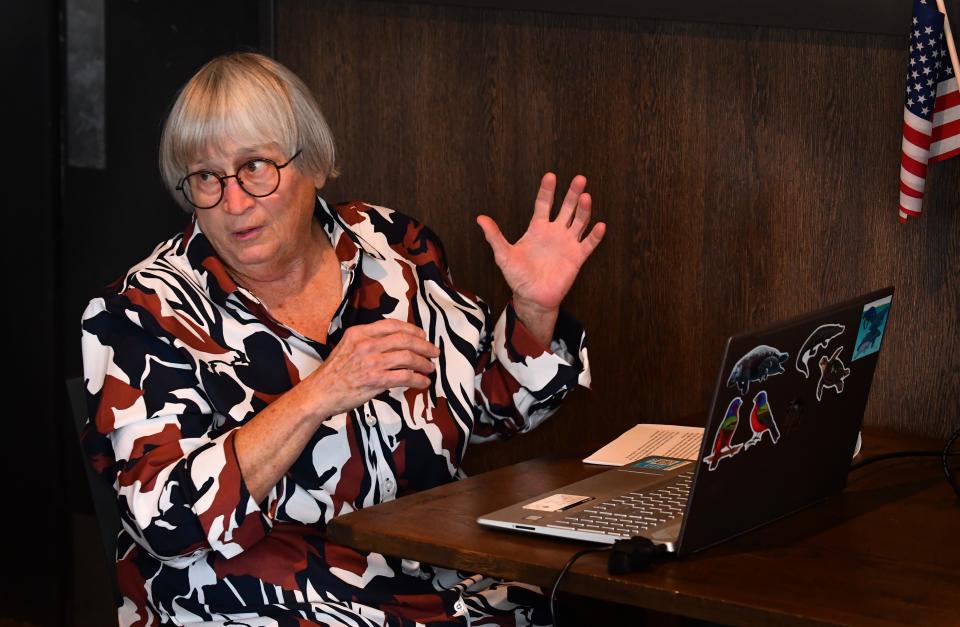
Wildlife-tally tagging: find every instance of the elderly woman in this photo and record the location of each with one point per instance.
(283, 361)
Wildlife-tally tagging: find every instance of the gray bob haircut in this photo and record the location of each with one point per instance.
(252, 100)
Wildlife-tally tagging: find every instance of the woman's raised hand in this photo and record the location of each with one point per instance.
(370, 359)
(541, 266)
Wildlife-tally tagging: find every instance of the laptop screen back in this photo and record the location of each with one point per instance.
(787, 407)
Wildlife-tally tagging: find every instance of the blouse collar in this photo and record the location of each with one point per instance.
(343, 226)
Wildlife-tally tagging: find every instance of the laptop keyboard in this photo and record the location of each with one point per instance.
(634, 512)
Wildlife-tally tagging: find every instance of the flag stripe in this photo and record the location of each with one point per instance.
(947, 155)
(945, 131)
(946, 100)
(946, 115)
(910, 206)
(911, 181)
(947, 87)
(913, 166)
(945, 149)
(917, 153)
(916, 123)
(909, 191)
(915, 137)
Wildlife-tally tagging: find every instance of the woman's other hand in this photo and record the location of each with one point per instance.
(541, 266)
(368, 360)
(371, 359)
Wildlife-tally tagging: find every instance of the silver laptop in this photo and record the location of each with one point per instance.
(786, 412)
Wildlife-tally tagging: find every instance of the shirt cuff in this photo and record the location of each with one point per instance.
(230, 517)
(543, 371)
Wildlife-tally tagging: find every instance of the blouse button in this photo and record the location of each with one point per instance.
(389, 485)
(371, 420)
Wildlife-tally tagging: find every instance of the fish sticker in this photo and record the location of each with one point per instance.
(832, 373)
(761, 421)
(722, 448)
(820, 338)
(761, 362)
(873, 322)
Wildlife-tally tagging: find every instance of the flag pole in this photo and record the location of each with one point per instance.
(951, 46)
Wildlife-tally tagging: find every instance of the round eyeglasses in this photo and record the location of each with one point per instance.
(258, 177)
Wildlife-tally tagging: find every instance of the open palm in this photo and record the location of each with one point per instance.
(541, 266)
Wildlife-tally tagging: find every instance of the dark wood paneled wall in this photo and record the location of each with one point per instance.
(746, 174)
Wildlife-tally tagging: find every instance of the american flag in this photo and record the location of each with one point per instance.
(931, 115)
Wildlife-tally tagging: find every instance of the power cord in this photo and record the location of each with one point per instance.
(563, 571)
(945, 456)
(866, 461)
(626, 556)
(947, 453)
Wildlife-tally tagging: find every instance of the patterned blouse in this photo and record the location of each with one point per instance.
(177, 356)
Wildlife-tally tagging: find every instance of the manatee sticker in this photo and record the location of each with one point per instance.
(722, 447)
(873, 322)
(820, 338)
(761, 362)
(832, 373)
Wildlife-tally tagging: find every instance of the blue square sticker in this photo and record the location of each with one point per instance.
(662, 464)
(873, 322)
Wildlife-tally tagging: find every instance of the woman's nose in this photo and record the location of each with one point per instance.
(236, 200)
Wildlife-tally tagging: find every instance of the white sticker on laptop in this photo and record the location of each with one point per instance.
(557, 502)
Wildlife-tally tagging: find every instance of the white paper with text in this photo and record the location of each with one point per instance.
(650, 439)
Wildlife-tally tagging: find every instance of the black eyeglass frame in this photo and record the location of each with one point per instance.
(236, 175)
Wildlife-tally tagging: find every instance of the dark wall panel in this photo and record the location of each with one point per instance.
(746, 174)
(112, 216)
(34, 540)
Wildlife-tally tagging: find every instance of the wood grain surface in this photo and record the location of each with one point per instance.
(746, 174)
(883, 552)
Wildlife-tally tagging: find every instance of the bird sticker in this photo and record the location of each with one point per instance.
(761, 421)
(820, 338)
(761, 362)
(722, 448)
(832, 373)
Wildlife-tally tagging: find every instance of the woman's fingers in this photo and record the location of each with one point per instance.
(494, 237)
(403, 342)
(592, 240)
(406, 360)
(571, 200)
(406, 379)
(581, 218)
(387, 326)
(544, 203)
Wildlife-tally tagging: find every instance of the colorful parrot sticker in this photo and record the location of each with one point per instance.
(761, 421)
(820, 338)
(873, 322)
(832, 373)
(761, 362)
(722, 448)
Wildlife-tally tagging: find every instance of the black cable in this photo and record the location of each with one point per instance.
(944, 455)
(946, 458)
(563, 571)
(626, 556)
(898, 454)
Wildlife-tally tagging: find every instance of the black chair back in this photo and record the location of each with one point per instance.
(104, 498)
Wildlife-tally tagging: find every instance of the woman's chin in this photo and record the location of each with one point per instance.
(252, 256)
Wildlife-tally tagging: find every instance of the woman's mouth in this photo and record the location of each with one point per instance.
(246, 234)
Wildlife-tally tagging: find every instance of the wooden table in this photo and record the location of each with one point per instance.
(886, 551)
